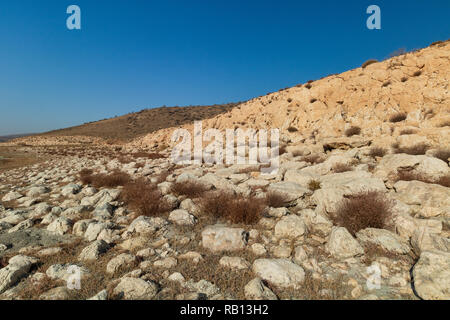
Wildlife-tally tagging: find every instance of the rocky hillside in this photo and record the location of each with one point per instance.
(415, 84)
(135, 124)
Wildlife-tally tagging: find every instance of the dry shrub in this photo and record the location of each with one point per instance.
(86, 176)
(162, 176)
(282, 150)
(398, 117)
(190, 189)
(407, 131)
(334, 288)
(418, 149)
(33, 290)
(387, 83)
(292, 129)
(377, 152)
(445, 123)
(404, 79)
(341, 167)
(411, 175)
(313, 159)
(352, 131)
(314, 185)
(297, 153)
(275, 199)
(144, 198)
(417, 73)
(308, 86)
(369, 209)
(444, 181)
(443, 154)
(233, 208)
(112, 180)
(3, 262)
(368, 63)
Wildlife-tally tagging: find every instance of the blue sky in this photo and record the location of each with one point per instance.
(139, 54)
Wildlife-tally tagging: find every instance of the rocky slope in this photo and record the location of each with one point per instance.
(415, 83)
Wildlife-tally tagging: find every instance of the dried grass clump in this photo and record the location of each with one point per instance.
(147, 155)
(190, 189)
(233, 208)
(341, 167)
(377, 152)
(368, 63)
(86, 176)
(442, 154)
(314, 185)
(411, 175)
(444, 181)
(112, 180)
(297, 153)
(144, 198)
(407, 131)
(398, 117)
(445, 123)
(368, 209)
(313, 159)
(282, 150)
(418, 149)
(352, 131)
(275, 199)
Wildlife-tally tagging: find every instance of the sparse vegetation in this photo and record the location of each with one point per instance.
(418, 149)
(275, 199)
(144, 198)
(377, 152)
(445, 123)
(112, 180)
(313, 159)
(398, 117)
(412, 175)
(443, 154)
(292, 129)
(407, 131)
(352, 131)
(314, 185)
(191, 189)
(341, 167)
(368, 63)
(363, 210)
(233, 208)
(417, 73)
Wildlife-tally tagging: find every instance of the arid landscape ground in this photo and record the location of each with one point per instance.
(359, 208)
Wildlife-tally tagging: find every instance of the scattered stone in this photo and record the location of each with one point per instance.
(93, 251)
(432, 275)
(135, 289)
(256, 290)
(280, 272)
(342, 245)
(290, 227)
(220, 238)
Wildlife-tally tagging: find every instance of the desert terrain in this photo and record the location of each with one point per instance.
(358, 209)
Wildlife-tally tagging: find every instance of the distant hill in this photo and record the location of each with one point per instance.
(14, 136)
(132, 125)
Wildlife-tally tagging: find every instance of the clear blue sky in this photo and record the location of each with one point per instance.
(139, 54)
